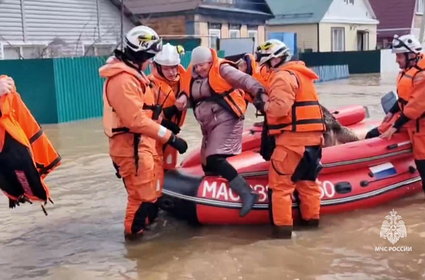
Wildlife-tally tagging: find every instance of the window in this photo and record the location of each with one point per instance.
(214, 34)
(24, 51)
(234, 30)
(253, 34)
(419, 6)
(11, 52)
(338, 39)
(362, 41)
(234, 33)
(34, 51)
(98, 49)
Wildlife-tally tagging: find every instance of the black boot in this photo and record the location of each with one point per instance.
(282, 232)
(420, 166)
(248, 196)
(310, 224)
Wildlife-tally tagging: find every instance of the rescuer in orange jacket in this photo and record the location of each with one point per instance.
(129, 110)
(295, 119)
(409, 111)
(335, 132)
(167, 75)
(26, 154)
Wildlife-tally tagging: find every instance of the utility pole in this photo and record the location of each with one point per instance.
(122, 24)
(422, 29)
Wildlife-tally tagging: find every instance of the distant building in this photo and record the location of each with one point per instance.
(397, 17)
(36, 28)
(204, 19)
(326, 25)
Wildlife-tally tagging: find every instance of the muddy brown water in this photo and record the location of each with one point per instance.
(82, 237)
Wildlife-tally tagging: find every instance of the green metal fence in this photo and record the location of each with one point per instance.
(62, 89)
(78, 88)
(35, 81)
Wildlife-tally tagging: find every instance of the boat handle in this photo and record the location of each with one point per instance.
(398, 145)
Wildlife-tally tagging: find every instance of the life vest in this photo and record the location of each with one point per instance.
(166, 97)
(306, 114)
(111, 122)
(405, 81)
(26, 154)
(222, 92)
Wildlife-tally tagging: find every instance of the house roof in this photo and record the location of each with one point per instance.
(298, 11)
(143, 7)
(395, 20)
(160, 6)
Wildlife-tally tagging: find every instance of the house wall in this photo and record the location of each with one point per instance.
(175, 25)
(350, 35)
(306, 34)
(417, 21)
(360, 12)
(201, 29)
(65, 28)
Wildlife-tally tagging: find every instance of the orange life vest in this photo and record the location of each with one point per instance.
(112, 123)
(306, 114)
(405, 81)
(26, 154)
(223, 93)
(165, 95)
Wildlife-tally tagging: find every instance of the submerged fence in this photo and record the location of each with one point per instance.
(331, 72)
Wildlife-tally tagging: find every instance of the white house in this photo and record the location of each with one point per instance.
(40, 28)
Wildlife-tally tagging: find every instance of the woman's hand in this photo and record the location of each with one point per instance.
(6, 85)
(181, 102)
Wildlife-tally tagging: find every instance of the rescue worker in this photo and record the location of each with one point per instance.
(410, 108)
(26, 154)
(335, 132)
(167, 75)
(129, 105)
(296, 120)
(216, 89)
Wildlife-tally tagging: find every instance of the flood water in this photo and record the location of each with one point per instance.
(82, 237)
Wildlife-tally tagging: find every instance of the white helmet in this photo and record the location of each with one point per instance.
(270, 49)
(406, 44)
(143, 39)
(168, 56)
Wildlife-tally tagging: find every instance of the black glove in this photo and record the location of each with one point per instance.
(258, 102)
(169, 112)
(171, 126)
(177, 143)
(156, 109)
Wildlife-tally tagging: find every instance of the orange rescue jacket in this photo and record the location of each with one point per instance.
(411, 92)
(305, 115)
(129, 102)
(223, 93)
(166, 95)
(405, 81)
(17, 121)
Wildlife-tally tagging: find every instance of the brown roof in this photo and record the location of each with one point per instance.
(396, 15)
(138, 7)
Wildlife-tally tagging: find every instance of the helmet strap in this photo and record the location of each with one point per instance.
(159, 69)
(126, 59)
(411, 62)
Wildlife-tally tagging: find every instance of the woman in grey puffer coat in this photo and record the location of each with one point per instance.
(221, 129)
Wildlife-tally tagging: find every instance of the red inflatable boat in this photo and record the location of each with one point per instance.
(355, 175)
